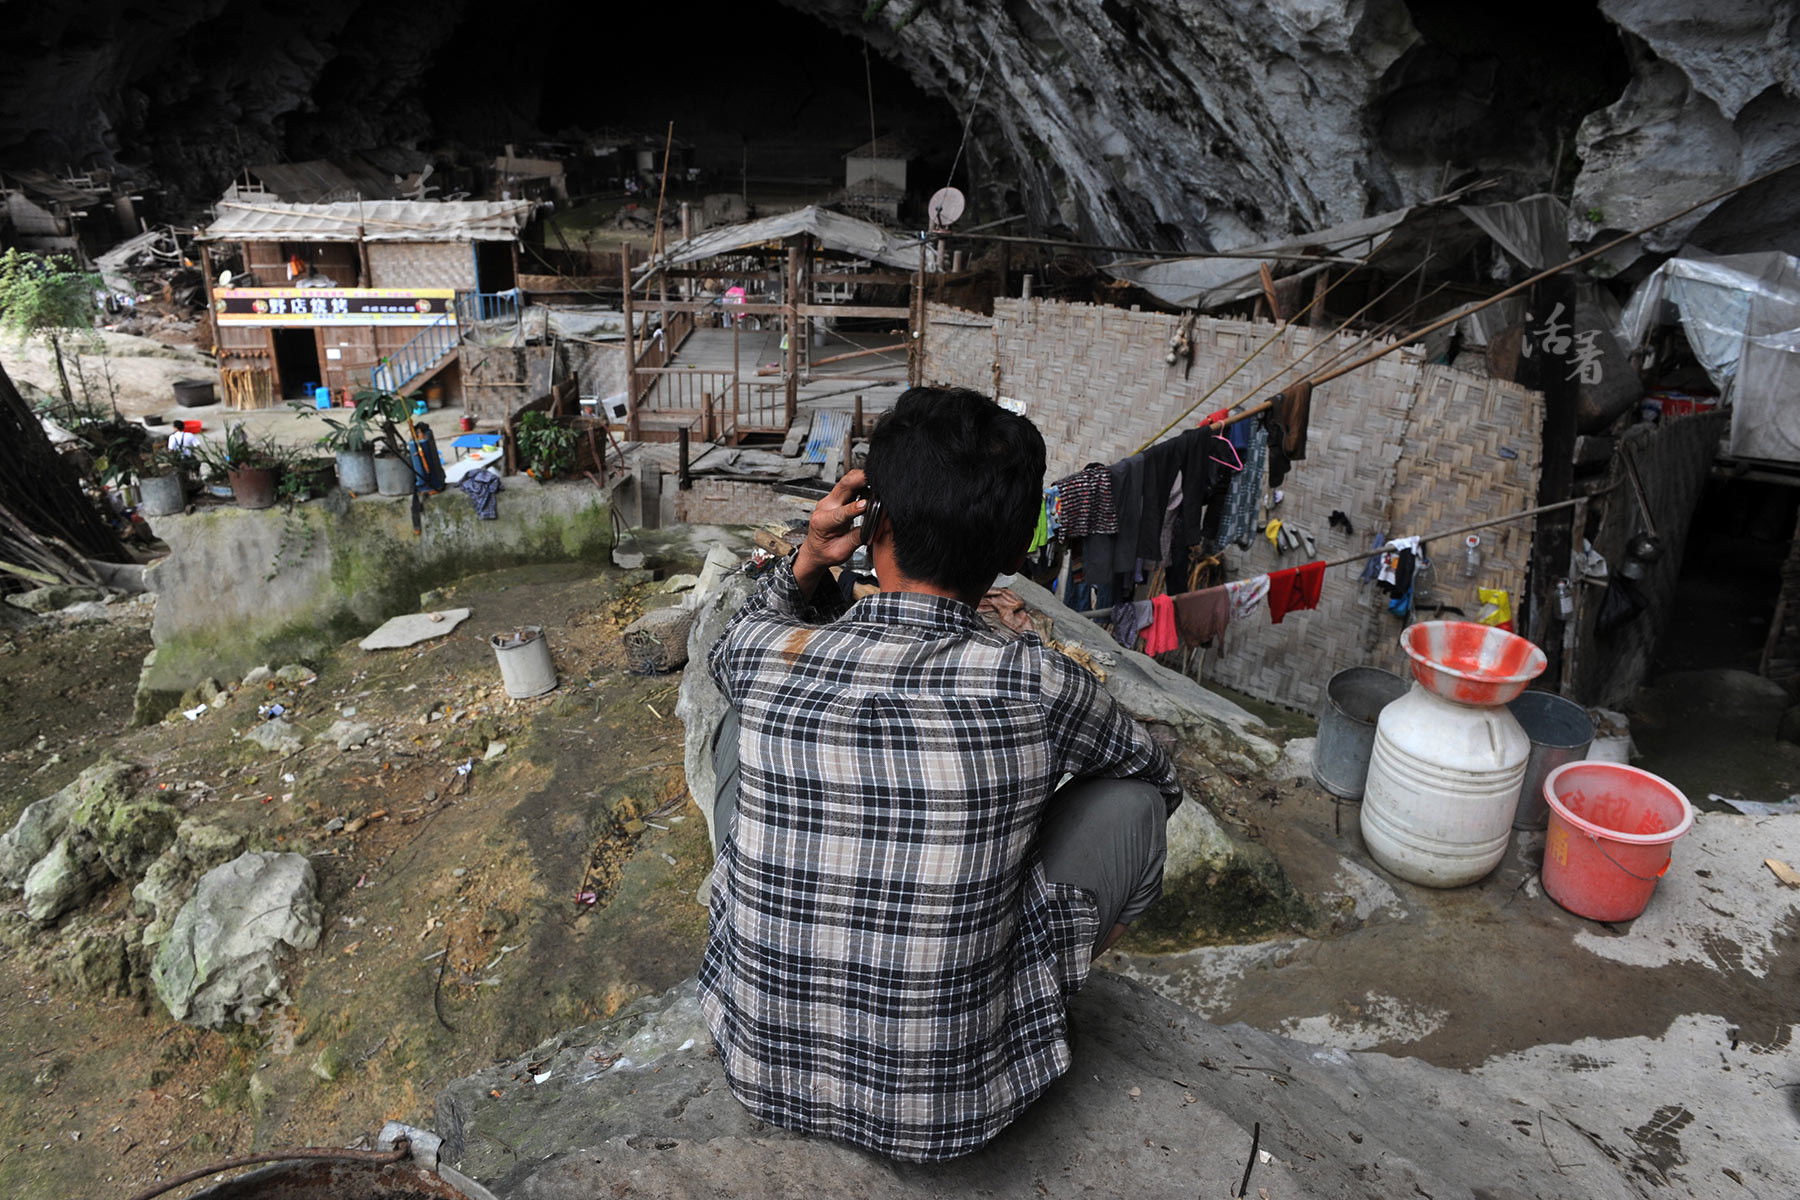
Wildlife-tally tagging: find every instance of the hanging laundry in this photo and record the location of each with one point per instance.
(1293, 408)
(1086, 502)
(1202, 616)
(1128, 496)
(1161, 464)
(1295, 589)
(1129, 620)
(1279, 459)
(1400, 553)
(1160, 637)
(1237, 521)
(1272, 531)
(1053, 512)
(1246, 594)
(1041, 534)
(1171, 518)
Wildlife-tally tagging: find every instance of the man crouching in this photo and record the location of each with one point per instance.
(904, 900)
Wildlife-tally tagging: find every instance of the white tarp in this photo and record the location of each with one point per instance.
(1741, 315)
(1206, 282)
(834, 231)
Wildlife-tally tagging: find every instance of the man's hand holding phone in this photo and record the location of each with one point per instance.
(832, 535)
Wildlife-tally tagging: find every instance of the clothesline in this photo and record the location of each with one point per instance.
(1424, 539)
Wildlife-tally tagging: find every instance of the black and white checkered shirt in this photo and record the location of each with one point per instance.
(887, 963)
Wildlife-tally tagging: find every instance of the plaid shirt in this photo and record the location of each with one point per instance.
(887, 964)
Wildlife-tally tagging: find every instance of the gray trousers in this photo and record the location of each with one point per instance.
(1106, 835)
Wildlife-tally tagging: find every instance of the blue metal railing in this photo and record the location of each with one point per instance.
(434, 341)
(491, 306)
(418, 356)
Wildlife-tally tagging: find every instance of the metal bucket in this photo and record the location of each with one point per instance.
(1353, 700)
(162, 495)
(525, 665)
(1560, 731)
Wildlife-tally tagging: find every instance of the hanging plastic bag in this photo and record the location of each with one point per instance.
(1496, 608)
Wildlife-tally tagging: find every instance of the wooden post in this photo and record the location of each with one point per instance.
(793, 328)
(633, 425)
(207, 280)
(683, 481)
(687, 231)
(1321, 285)
(915, 342)
(1550, 373)
(856, 420)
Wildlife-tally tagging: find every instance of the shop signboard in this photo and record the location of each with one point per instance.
(332, 306)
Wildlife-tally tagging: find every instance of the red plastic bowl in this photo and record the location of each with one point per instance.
(1470, 663)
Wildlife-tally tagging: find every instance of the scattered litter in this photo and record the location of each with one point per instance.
(272, 710)
(355, 824)
(494, 750)
(1757, 808)
(459, 872)
(334, 825)
(435, 954)
(586, 897)
(540, 1078)
(193, 714)
(1783, 872)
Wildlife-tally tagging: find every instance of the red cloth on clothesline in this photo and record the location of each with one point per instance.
(1295, 589)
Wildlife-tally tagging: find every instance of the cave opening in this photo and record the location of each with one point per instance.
(757, 91)
(1500, 87)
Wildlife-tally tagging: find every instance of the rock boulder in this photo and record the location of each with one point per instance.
(1157, 1103)
(221, 961)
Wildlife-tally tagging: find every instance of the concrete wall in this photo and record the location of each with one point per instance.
(422, 265)
(1399, 447)
(229, 596)
(729, 502)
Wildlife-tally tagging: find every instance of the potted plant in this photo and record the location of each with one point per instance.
(546, 448)
(253, 467)
(373, 423)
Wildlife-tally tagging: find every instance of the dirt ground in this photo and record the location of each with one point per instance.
(466, 916)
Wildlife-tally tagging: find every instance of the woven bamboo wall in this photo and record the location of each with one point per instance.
(1398, 447)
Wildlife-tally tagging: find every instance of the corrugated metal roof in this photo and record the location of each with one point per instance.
(273, 220)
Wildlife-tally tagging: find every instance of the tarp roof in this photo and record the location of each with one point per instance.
(1441, 229)
(834, 231)
(243, 220)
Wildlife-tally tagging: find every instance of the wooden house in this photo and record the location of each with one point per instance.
(352, 294)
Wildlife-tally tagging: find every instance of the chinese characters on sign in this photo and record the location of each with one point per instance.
(1556, 339)
(332, 306)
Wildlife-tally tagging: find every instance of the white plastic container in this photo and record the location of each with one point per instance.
(1443, 786)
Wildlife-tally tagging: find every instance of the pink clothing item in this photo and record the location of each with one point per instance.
(1160, 637)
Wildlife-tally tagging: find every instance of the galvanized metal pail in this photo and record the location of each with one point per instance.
(1353, 700)
(1560, 732)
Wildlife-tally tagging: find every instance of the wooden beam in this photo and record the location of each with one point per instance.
(773, 310)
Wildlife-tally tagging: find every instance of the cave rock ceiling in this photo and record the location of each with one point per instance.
(1163, 123)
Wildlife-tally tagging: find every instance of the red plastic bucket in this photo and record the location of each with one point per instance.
(1611, 827)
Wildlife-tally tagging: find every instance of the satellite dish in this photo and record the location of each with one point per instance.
(945, 206)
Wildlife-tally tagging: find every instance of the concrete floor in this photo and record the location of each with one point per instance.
(1670, 1038)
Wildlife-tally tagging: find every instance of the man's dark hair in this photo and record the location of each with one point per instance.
(962, 481)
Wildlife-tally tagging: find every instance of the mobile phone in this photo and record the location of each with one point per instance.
(871, 516)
